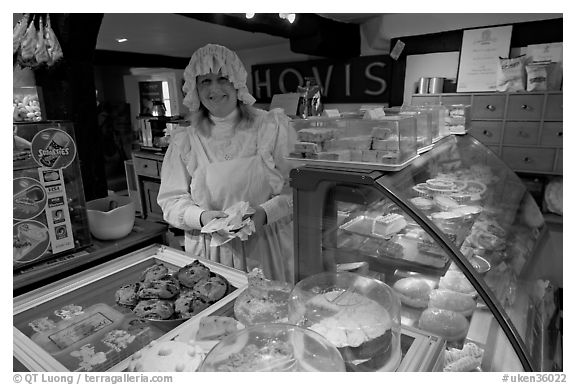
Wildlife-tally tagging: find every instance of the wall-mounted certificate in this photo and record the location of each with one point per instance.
(479, 55)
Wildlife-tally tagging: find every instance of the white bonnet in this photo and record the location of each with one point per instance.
(214, 58)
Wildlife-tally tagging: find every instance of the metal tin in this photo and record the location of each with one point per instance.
(423, 85)
(435, 85)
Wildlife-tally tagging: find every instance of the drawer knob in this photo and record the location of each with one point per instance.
(524, 106)
(145, 166)
(527, 160)
(523, 134)
(487, 133)
(559, 134)
(490, 107)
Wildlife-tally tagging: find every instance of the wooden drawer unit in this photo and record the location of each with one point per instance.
(148, 167)
(456, 99)
(485, 131)
(552, 134)
(488, 106)
(525, 107)
(521, 133)
(554, 107)
(529, 159)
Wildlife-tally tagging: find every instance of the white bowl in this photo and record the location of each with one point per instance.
(111, 217)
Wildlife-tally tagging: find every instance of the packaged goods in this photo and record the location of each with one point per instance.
(510, 74)
(536, 77)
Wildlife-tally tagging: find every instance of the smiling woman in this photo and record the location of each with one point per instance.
(232, 153)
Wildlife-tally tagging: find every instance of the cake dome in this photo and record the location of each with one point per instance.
(358, 314)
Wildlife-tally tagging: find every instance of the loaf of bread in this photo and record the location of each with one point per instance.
(448, 324)
(452, 300)
(412, 291)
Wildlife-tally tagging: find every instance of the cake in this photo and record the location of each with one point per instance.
(127, 295)
(167, 356)
(216, 328)
(154, 309)
(445, 203)
(339, 155)
(318, 135)
(386, 225)
(390, 144)
(306, 147)
(359, 327)
(192, 273)
(422, 203)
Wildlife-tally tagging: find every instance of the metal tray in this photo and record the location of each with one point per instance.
(356, 165)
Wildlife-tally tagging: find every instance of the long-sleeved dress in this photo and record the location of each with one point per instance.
(231, 165)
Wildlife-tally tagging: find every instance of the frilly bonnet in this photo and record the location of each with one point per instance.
(214, 58)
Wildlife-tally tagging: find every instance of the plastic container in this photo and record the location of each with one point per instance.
(111, 217)
(458, 118)
(423, 124)
(273, 348)
(358, 314)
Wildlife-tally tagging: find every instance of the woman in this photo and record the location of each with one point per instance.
(231, 152)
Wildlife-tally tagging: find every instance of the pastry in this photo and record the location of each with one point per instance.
(212, 289)
(464, 360)
(189, 305)
(306, 147)
(127, 295)
(217, 327)
(362, 142)
(389, 224)
(412, 291)
(445, 202)
(154, 272)
(422, 203)
(340, 155)
(448, 324)
(192, 273)
(167, 356)
(452, 300)
(318, 135)
(456, 281)
(154, 309)
(165, 288)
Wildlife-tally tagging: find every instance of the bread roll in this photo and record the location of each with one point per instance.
(456, 281)
(413, 291)
(452, 300)
(448, 324)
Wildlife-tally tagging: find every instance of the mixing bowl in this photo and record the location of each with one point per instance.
(111, 217)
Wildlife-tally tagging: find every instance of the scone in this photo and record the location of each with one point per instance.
(167, 356)
(127, 295)
(154, 272)
(190, 305)
(451, 325)
(165, 288)
(154, 309)
(212, 289)
(193, 273)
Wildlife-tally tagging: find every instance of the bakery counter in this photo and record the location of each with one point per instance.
(91, 322)
(455, 233)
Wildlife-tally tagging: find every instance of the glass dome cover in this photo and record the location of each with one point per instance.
(273, 347)
(358, 314)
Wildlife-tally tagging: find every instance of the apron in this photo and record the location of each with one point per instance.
(217, 186)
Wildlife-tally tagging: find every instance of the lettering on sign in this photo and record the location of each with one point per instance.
(364, 79)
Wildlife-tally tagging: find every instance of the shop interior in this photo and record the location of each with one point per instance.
(117, 92)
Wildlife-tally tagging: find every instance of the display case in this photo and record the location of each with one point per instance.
(458, 237)
(78, 323)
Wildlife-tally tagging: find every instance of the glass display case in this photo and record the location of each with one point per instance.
(83, 324)
(455, 234)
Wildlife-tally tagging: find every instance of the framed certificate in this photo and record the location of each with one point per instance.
(479, 55)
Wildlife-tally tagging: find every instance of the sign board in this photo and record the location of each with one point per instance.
(481, 49)
(364, 79)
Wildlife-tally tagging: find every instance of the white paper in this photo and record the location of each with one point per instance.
(481, 49)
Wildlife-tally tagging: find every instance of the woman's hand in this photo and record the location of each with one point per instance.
(208, 215)
(259, 218)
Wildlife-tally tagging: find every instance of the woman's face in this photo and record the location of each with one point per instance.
(217, 94)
